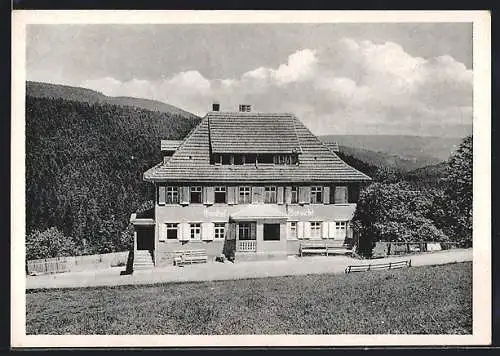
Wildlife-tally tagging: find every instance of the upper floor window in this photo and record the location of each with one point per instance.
(316, 195)
(295, 195)
(220, 195)
(270, 195)
(244, 196)
(172, 195)
(195, 195)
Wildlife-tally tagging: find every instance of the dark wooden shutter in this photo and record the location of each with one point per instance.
(304, 195)
(161, 195)
(353, 193)
(326, 195)
(280, 191)
(288, 195)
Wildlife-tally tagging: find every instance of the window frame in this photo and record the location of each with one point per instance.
(172, 227)
(194, 189)
(247, 192)
(218, 191)
(274, 227)
(268, 194)
(294, 189)
(171, 191)
(316, 191)
(245, 227)
(194, 228)
(317, 229)
(219, 228)
(293, 230)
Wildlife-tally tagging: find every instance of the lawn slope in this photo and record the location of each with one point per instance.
(417, 300)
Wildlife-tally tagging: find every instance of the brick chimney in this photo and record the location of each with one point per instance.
(215, 107)
(245, 108)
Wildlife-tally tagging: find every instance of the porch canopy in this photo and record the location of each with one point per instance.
(259, 212)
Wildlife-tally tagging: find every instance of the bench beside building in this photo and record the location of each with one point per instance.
(249, 185)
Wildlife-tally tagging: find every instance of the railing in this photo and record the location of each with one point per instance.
(247, 245)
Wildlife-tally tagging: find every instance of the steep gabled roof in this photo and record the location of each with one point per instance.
(191, 161)
(252, 133)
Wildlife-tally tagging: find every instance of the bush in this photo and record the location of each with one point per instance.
(49, 243)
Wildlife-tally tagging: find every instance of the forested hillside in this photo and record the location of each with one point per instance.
(84, 165)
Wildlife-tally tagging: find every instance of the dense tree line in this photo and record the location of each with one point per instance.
(84, 166)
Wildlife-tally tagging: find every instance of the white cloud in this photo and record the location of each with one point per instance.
(351, 87)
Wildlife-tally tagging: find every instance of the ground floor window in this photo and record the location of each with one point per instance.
(219, 230)
(195, 231)
(315, 229)
(246, 231)
(172, 231)
(271, 232)
(340, 229)
(292, 233)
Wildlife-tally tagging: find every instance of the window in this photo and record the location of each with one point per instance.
(172, 195)
(315, 229)
(250, 159)
(293, 230)
(219, 230)
(245, 197)
(244, 231)
(266, 158)
(270, 195)
(172, 231)
(195, 194)
(340, 229)
(271, 232)
(220, 195)
(195, 231)
(217, 158)
(239, 159)
(226, 159)
(295, 195)
(316, 195)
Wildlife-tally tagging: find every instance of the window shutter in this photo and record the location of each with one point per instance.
(255, 195)
(184, 195)
(326, 195)
(346, 194)
(184, 232)
(161, 195)
(162, 233)
(331, 229)
(353, 193)
(307, 230)
(340, 194)
(231, 195)
(253, 231)
(304, 195)
(280, 198)
(300, 229)
(206, 231)
(349, 233)
(324, 229)
(208, 195)
(288, 195)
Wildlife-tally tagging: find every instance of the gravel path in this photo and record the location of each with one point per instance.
(225, 271)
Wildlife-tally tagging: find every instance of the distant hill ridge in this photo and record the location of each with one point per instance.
(47, 90)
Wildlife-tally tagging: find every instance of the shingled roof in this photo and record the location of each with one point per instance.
(252, 133)
(191, 161)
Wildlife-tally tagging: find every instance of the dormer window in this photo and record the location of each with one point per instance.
(265, 158)
(239, 159)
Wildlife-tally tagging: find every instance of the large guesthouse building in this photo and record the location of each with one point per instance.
(247, 185)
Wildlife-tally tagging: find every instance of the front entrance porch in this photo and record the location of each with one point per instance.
(144, 242)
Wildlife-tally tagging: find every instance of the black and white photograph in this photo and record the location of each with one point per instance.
(251, 178)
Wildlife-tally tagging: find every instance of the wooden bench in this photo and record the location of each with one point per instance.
(189, 257)
(326, 248)
(378, 266)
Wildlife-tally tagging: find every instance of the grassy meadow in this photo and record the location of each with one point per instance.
(416, 300)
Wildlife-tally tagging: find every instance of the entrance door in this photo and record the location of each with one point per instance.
(145, 238)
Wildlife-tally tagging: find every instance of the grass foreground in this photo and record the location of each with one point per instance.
(416, 300)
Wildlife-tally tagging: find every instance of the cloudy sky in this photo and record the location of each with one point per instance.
(337, 78)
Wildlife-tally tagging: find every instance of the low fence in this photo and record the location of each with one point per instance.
(77, 263)
(387, 248)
